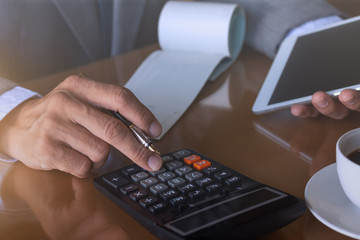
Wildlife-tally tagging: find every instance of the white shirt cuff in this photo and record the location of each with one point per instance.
(12, 98)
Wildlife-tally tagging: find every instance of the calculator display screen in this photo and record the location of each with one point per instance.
(224, 210)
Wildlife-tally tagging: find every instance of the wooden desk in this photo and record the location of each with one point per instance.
(276, 149)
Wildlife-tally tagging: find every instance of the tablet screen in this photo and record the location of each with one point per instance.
(326, 60)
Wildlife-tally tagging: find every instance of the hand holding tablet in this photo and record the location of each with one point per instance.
(322, 103)
(323, 60)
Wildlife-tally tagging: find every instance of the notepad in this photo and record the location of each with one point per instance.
(198, 42)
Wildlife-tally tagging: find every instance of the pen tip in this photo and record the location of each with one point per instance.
(153, 149)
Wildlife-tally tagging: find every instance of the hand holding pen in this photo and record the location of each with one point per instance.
(140, 136)
(68, 130)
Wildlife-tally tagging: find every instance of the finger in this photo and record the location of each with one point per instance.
(112, 131)
(351, 99)
(303, 111)
(71, 161)
(118, 135)
(328, 106)
(114, 98)
(83, 141)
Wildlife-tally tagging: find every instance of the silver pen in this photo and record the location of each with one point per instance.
(140, 136)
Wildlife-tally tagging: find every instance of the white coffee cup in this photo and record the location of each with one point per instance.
(349, 171)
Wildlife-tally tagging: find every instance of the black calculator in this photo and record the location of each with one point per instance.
(194, 197)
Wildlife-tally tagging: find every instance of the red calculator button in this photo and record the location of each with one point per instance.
(202, 164)
(191, 159)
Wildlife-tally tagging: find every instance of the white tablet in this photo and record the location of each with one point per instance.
(324, 60)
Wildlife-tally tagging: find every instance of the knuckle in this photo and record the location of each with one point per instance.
(76, 80)
(72, 80)
(101, 152)
(113, 129)
(84, 169)
(122, 96)
(57, 99)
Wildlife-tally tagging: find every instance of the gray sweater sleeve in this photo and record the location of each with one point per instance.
(268, 21)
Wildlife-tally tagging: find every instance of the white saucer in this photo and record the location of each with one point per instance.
(329, 204)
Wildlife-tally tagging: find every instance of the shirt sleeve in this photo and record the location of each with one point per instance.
(12, 98)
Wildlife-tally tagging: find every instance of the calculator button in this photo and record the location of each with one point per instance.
(130, 170)
(175, 182)
(233, 182)
(137, 177)
(186, 188)
(211, 170)
(181, 171)
(169, 194)
(191, 177)
(167, 158)
(204, 181)
(192, 159)
(199, 165)
(196, 195)
(158, 207)
(173, 164)
(115, 180)
(126, 190)
(146, 183)
(178, 200)
(136, 196)
(181, 154)
(159, 188)
(166, 176)
(155, 173)
(213, 189)
(148, 201)
(222, 175)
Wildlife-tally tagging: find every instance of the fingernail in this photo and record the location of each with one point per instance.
(155, 129)
(322, 102)
(351, 101)
(154, 162)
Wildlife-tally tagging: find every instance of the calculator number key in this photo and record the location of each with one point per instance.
(173, 165)
(182, 171)
(175, 182)
(139, 176)
(191, 177)
(146, 183)
(159, 188)
(166, 176)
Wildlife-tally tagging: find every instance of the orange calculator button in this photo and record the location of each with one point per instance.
(191, 159)
(202, 164)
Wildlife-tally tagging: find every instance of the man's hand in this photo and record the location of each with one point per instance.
(322, 103)
(67, 129)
